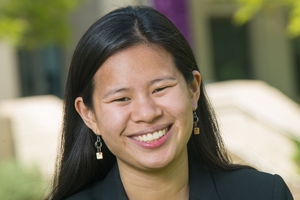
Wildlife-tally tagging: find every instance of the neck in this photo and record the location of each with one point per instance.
(170, 182)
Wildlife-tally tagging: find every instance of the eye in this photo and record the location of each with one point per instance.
(121, 99)
(159, 89)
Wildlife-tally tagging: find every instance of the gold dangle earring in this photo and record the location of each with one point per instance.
(196, 128)
(98, 145)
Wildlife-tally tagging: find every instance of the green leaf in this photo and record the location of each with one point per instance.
(35, 23)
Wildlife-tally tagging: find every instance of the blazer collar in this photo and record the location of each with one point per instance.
(112, 182)
(202, 184)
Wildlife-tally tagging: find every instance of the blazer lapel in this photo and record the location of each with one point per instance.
(201, 183)
(112, 186)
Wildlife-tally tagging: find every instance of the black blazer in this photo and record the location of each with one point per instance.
(243, 184)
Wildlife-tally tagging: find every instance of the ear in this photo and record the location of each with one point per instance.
(195, 89)
(87, 115)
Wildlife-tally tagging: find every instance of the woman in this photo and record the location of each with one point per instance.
(137, 122)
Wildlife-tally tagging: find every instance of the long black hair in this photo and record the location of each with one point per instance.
(77, 166)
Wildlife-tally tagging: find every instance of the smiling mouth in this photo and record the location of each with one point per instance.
(151, 136)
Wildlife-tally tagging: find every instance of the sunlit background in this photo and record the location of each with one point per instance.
(248, 52)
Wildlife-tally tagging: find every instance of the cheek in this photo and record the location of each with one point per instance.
(112, 120)
(180, 102)
(182, 110)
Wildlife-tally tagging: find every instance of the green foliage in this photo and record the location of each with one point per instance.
(249, 8)
(20, 183)
(297, 154)
(34, 23)
(294, 23)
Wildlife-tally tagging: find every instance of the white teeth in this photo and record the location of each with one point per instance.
(151, 136)
(161, 133)
(155, 135)
(144, 137)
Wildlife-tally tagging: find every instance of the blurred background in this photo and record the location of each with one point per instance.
(248, 52)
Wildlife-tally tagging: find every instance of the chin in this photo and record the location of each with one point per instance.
(156, 163)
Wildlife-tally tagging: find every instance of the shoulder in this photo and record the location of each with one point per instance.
(250, 184)
(91, 192)
(110, 188)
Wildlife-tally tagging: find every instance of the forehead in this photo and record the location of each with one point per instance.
(141, 60)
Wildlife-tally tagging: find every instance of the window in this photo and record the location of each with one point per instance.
(41, 71)
(230, 50)
(296, 44)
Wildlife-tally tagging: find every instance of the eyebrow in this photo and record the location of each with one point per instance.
(162, 79)
(118, 90)
(114, 91)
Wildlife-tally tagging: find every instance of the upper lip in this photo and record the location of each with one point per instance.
(151, 129)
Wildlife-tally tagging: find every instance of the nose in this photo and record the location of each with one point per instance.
(145, 110)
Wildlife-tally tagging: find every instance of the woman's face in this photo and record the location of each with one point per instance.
(143, 107)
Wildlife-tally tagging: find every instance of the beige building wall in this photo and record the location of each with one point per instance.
(272, 54)
(107, 6)
(9, 77)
